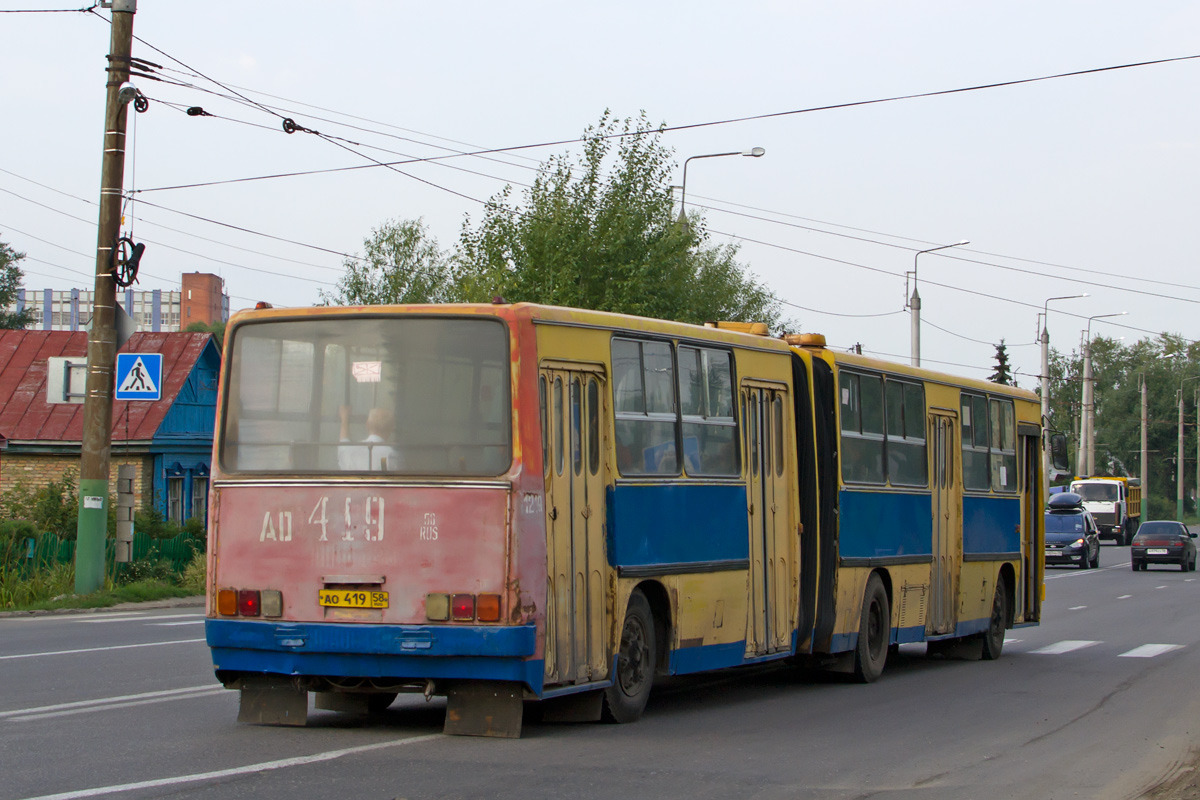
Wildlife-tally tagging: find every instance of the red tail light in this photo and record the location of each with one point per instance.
(248, 603)
(462, 607)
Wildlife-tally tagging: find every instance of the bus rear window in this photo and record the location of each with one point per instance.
(403, 395)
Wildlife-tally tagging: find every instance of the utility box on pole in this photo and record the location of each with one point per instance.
(126, 474)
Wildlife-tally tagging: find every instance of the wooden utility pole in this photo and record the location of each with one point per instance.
(102, 341)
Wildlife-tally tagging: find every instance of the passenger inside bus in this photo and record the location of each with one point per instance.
(373, 453)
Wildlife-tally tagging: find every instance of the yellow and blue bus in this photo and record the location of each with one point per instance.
(511, 502)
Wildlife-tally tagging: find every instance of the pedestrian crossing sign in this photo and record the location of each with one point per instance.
(139, 376)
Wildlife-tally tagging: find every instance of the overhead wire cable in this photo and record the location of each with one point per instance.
(728, 121)
(923, 280)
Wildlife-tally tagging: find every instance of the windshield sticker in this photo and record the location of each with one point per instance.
(367, 371)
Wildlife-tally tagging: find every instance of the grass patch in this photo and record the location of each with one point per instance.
(136, 592)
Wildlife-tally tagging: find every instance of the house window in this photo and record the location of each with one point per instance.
(175, 500)
(199, 498)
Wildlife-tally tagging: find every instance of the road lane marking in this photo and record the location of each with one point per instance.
(263, 766)
(99, 649)
(140, 619)
(171, 624)
(104, 701)
(1079, 573)
(1076, 608)
(1066, 646)
(72, 712)
(1150, 650)
(73, 617)
(1125, 597)
(1160, 587)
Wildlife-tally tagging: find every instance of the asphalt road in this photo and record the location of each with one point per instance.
(1098, 701)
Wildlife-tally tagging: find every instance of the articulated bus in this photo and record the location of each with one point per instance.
(512, 502)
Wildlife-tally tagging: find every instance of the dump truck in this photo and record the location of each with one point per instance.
(1114, 502)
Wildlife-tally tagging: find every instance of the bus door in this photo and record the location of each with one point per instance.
(947, 524)
(764, 416)
(1029, 597)
(573, 434)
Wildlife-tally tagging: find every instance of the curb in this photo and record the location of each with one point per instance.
(170, 602)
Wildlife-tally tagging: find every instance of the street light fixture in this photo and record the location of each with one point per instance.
(753, 152)
(1044, 336)
(1087, 419)
(914, 302)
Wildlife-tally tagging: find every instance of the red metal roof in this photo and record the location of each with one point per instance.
(26, 416)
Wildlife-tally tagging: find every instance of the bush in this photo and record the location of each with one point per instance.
(151, 568)
(195, 574)
(14, 543)
(53, 508)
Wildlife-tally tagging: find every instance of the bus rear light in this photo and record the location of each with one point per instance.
(272, 603)
(437, 607)
(227, 602)
(488, 608)
(249, 603)
(462, 607)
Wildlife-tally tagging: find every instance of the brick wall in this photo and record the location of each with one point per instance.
(39, 470)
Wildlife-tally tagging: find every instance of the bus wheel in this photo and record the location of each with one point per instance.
(625, 700)
(873, 629)
(993, 640)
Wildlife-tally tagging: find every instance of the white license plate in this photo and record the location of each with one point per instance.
(1157, 551)
(1051, 553)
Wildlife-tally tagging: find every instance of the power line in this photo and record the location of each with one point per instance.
(729, 121)
(48, 10)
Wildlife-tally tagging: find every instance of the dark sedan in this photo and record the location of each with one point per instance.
(1163, 542)
(1071, 534)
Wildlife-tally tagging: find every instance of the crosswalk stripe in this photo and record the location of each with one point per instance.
(1151, 650)
(1065, 646)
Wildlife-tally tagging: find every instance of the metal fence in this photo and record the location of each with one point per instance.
(45, 550)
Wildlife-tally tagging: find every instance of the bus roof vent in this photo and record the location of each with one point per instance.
(805, 339)
(755, 328)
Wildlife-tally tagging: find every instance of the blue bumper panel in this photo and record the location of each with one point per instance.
(377, 651)
(353, 639)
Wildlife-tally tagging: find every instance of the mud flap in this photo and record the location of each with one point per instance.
(581, 707)
(969, 648)
(343, 702)
(272, 701)
(485, 708)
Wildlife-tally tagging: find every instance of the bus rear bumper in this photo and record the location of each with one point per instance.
(403, 652)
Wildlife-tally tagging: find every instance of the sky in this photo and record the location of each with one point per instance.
(1083, 184)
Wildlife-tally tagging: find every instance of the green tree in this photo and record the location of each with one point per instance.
(1118, 371)
(11, 276)
(217, 329)
(1002, 374)
(402, 264)
(588, 238)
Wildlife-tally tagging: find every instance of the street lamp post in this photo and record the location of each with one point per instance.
(914, 302)
(1087, 422)
(753, 152)
(1179, 455)
(1045, 341)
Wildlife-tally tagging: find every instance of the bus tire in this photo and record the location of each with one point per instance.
(993, 639)
(874, 629)
(626, 698)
